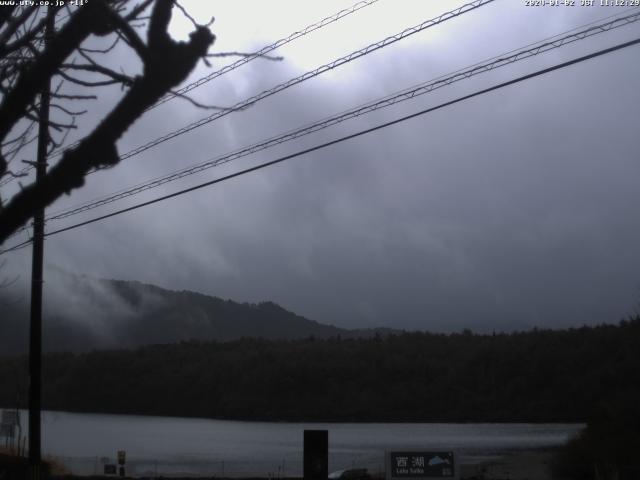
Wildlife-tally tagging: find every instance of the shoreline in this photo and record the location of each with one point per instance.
(526, 464)
(530, 464)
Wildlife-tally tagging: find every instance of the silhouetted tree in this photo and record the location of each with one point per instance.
(28, 63)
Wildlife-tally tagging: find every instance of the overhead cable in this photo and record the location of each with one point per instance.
(228, 68)
(301, 78)
(407, 94)
(266, 50)
(342, 139)
(311, 74)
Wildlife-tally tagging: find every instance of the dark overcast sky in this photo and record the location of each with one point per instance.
(512, 210)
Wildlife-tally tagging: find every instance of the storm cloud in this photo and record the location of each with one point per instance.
(508, 211)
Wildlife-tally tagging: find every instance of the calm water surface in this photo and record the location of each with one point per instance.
(185, 446)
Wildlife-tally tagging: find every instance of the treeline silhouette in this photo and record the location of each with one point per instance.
(536, 376)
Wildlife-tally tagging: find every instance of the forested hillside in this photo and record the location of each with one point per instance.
(538, 376)
(83, 314)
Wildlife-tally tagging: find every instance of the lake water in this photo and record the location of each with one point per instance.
(187, 446)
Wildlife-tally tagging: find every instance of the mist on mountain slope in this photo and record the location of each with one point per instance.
(83, 313)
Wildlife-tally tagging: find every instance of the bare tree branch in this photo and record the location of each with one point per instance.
(71, 113)
(166, 64)
(28, 36)
(13, 24)
(196, 103)
(97, 50)
(14, 105)
(114, 76)
(133, 15)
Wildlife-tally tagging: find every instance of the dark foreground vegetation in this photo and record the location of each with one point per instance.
(608, 448)
(538, 376)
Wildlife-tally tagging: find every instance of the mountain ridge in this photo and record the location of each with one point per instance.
(82, 313)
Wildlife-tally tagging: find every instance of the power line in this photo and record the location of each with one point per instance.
(227, 68)
(311, 74)
(345, 138)
(10, 178)
(301, 78)
(17, 247)
(266, 50)
(407, 94)
(308, 75)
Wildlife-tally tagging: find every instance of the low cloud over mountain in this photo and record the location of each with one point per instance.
(83, 313)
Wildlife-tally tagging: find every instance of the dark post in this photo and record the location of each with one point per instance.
(316, 454)
(35, 334)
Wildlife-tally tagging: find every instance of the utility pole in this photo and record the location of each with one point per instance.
(35, 334)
